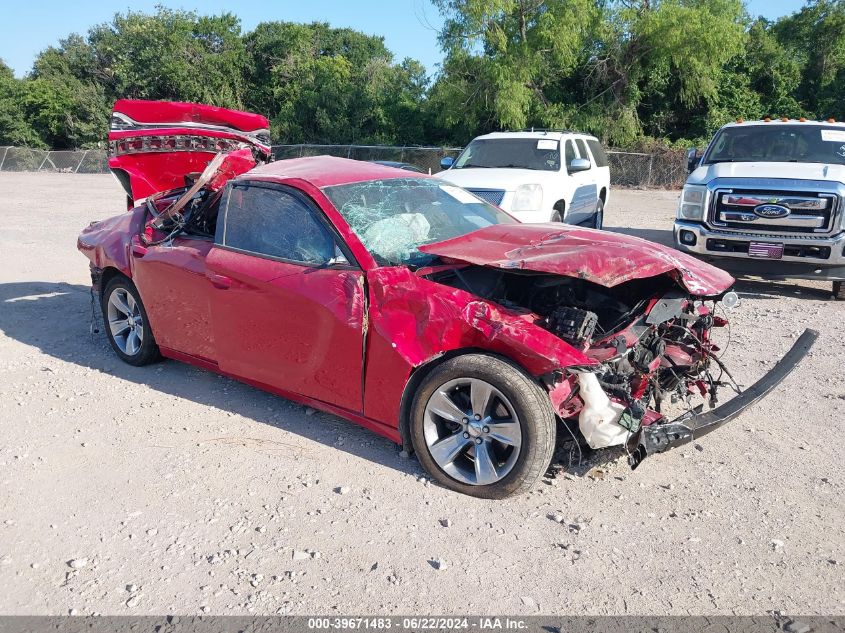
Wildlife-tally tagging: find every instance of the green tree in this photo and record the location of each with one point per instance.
(14, 128)
(327, 85)
(505, 57)
(815, 37)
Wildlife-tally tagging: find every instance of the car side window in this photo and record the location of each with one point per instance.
(570, 152)
(582, 149)
(274, 223)
(599, 155)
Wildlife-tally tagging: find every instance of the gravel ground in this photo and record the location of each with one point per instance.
(170, 489)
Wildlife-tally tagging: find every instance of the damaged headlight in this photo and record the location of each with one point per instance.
(693, 203)
(527, 198)
(730, 300)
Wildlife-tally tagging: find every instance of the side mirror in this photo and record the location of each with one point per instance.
(579, 164)
(692, 159)
(446, 162)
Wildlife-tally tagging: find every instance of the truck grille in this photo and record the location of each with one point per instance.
(493, 196)
(773, 212)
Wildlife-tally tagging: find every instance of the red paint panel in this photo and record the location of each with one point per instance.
(161, 142)
(144, 111)
(296, 328)
(173, 286)
(607, 259)
(106, 243)
(326, 171)
(413, 320)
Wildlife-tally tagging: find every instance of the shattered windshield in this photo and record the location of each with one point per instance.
(775, 142)
(513, 153)
(394, 217)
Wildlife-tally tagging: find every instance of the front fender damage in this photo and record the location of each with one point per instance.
(413, 321)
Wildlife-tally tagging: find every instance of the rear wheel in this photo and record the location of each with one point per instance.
(126, 322)
(838, 291)
(598, 221)
(482, 427)
(559, 212)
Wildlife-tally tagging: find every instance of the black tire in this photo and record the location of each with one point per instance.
(598, 220)
(559, 212)
(147, 352)
(839, 291)
(530, 403)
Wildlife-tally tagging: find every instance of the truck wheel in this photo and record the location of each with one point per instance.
(481, 426)
(838, 291)
(127, 325)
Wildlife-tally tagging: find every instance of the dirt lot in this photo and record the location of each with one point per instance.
(169, 489)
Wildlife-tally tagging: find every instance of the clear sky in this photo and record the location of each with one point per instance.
(408, 26)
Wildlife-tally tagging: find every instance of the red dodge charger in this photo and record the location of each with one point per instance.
(403, 303)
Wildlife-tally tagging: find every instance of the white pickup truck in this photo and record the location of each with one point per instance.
(536, 176)
(767, 199)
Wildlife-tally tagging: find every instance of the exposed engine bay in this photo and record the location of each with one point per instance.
(651, 340)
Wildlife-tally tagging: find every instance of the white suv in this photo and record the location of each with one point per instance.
(537, 176)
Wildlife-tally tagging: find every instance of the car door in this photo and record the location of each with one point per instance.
(286, 303)
(584, 196)
(171, 280)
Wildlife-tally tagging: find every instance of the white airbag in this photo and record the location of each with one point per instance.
(599, 417)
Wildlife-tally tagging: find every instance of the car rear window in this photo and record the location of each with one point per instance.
(599, 155)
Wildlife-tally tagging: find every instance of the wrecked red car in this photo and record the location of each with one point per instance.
(403, 303)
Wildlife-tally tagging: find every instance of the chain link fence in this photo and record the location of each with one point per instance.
(662, 170)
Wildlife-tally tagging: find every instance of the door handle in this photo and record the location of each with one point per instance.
(219, 281)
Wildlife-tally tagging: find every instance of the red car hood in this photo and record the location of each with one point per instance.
(153, 145)
(604, 258)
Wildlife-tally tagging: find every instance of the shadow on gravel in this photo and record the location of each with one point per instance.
(760, 289)
(661, 236)
(55, 318)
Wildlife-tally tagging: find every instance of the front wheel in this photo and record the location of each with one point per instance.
(481, 426)
(127, 325)
(838, 291)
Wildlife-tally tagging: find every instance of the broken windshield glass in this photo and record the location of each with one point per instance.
(394, 217)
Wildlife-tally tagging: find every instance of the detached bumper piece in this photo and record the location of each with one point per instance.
(658, 438)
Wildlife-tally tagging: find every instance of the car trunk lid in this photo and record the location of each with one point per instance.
(155, 145)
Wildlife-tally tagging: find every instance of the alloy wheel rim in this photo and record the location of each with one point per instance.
(125, 321)
(472, 431)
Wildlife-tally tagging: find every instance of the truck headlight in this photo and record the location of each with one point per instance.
(527, 198)
(693, 203)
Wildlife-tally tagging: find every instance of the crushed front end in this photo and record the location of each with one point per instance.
(655, 347)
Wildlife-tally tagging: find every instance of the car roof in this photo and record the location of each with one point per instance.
(538, 134)
(326, 171)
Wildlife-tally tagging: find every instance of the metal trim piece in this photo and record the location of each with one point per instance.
(804, 221)
(790, 202)
(658, 438)
(799, 218)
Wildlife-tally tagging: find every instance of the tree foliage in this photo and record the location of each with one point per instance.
(627, 70)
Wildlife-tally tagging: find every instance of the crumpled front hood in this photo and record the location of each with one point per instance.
(607, 259)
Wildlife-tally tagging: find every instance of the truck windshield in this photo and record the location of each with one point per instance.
(776, 142)
(515, 153)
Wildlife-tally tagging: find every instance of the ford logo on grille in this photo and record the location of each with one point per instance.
(771, 211)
